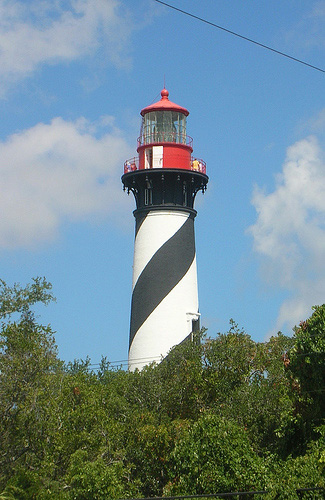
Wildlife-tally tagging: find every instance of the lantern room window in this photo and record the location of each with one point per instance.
(163, 126)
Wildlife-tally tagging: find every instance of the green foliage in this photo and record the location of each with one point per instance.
(247, 381)
(98, 479)
(264, 402)
(11, 493)
(16, 299)
(28, 379)
(180, 380)
(216, 456)
(228, 362)
(149, 448)
(305, 471)
(221, 414)
(306, 364)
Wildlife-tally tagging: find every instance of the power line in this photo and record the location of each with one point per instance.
(122, 362)
(308, 353)
(240, 36)
(158, 358)
(316, 390)
(225, 495)
(153, 358)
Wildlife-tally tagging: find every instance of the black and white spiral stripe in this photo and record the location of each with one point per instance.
(165, 296)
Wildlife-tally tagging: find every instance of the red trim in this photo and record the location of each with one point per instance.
(170, 145)
(188, 143)
(164, 105)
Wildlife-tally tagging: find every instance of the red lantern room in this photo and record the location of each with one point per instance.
(163, 142)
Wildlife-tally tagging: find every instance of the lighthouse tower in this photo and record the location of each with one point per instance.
(164, 179)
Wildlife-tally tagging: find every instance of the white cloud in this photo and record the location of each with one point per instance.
(309, 32)
(314, 25)
(55, 172)
(317, 123)
(42, 31)
(289, 233)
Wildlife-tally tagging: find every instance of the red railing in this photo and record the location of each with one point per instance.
(197, 165)
(131, 165)
(165, 137)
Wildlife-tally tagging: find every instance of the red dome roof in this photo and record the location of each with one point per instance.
(164, 105)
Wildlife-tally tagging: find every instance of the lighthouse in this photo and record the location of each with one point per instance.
(164, 179)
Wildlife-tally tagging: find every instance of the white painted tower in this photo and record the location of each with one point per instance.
(164, 179)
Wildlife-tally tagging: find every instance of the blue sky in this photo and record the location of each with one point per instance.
(74, 76)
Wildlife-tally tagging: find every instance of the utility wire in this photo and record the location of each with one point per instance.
(123, 361)
(158, 358)
(240, 36)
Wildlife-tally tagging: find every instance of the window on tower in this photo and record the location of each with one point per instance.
(148, 196)
(163, 126)
(184, 194)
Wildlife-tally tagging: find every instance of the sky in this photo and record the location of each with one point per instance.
(74, 76)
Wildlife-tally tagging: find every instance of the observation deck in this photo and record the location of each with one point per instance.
(133, 164)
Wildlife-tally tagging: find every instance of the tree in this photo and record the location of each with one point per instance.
(228, 362)
(223, 414)
(306, 365)
(265, 404)
(246, 381)
(15, 299)
(28, 379)
(98, 478)
(215, 456)
(180, 380)
(302, 472)
(149, 448)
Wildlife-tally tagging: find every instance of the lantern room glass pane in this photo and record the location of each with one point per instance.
(163, 126)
